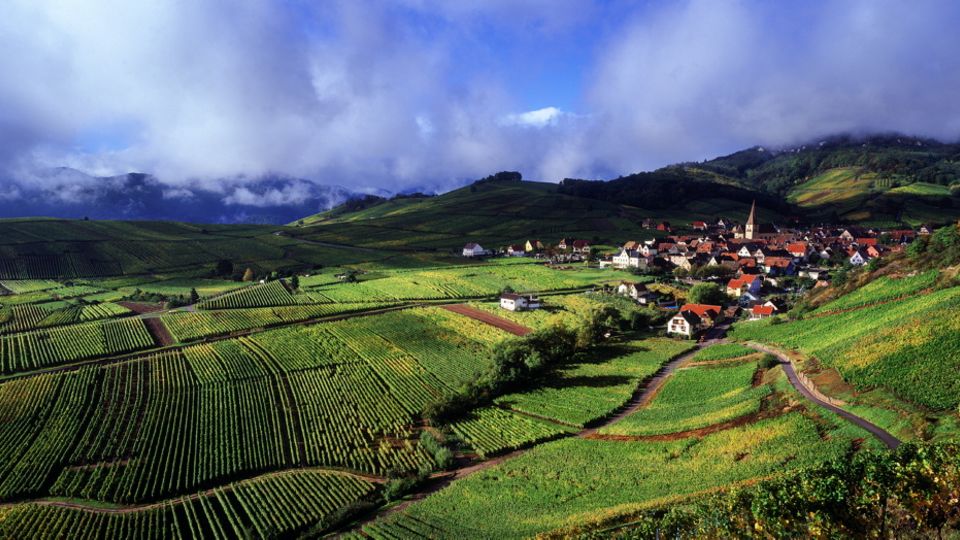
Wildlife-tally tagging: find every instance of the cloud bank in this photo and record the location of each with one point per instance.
(423, 93)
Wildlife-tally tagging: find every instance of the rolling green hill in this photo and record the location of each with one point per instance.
(498, 213)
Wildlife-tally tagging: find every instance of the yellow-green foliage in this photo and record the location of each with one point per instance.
(911, 347)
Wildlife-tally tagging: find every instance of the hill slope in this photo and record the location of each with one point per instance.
(501, 212)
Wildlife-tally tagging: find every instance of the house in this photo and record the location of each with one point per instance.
(685, 323)
(859, 257)
(517, 250)
(519, 302)
(680, 261)
(626, 259)
(779, 266)
(761, 312)
(631, 289)
(565, 243)
(663, 226)
(746, 283)
(534, 246)
(581, 246)
(473, 250)
(707, 313)
(799, 250)
(699, 225)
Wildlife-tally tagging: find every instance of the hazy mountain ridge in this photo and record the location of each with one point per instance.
(68, 193)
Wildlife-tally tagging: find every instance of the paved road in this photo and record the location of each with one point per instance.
(878, 432)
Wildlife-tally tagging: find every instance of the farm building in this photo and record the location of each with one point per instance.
(473, 250)
(519, 302)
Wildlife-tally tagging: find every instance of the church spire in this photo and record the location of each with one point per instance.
(752, 220)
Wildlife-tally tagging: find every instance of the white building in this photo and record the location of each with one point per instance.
(627, 258)
(685, 323)
(519, 302)
(473, 250)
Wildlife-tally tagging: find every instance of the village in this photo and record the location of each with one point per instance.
(756, 269)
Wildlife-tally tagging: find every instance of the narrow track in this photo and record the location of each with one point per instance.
(884, 436)
(489, 318)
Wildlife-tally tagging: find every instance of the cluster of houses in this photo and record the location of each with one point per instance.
(755, 254)
(759, 248)
(566, 250)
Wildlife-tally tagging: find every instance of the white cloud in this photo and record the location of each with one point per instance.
(547, 116)
(352, 92)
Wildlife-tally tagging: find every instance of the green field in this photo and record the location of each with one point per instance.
(696, 397)
(576, 481)
(581, 393)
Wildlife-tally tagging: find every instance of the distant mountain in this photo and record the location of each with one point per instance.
(882, 180)
(69, 193)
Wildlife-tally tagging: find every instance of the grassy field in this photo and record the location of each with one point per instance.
(581, 393)
(696, 397)
(576, 481)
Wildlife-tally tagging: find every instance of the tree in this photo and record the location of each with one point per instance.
(295, 282)
(224, 267)
(706, 293)
(194, 296)
(248, 275)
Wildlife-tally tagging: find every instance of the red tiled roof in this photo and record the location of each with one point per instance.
(702, 310)
(762, 310)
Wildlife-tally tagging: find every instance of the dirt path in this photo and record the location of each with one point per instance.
(159, 331)
(489, 318)
(885, 437)
(644, 395)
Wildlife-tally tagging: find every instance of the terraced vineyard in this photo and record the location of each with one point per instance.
(886, 345)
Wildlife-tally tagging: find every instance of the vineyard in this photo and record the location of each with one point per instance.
(462, 282)
(573, 481)
(888, 345)
(723, 351)
(276, 504)
(274, 293)
(579, 394)
(69, 343)
(491, 431)
(338, 394)
(696, 397)
(881, 290)
(190, 326)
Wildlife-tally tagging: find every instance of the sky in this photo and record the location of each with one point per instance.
(428, 94)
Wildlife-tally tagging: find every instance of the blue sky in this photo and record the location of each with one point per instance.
(402, 94)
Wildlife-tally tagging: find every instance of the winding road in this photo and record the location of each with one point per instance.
(878, 432)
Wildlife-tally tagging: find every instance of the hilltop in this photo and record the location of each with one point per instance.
(506, 209)
(876, 181)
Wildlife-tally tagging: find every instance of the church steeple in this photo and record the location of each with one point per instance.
(751, 227)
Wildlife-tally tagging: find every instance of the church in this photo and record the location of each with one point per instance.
(753, 230)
